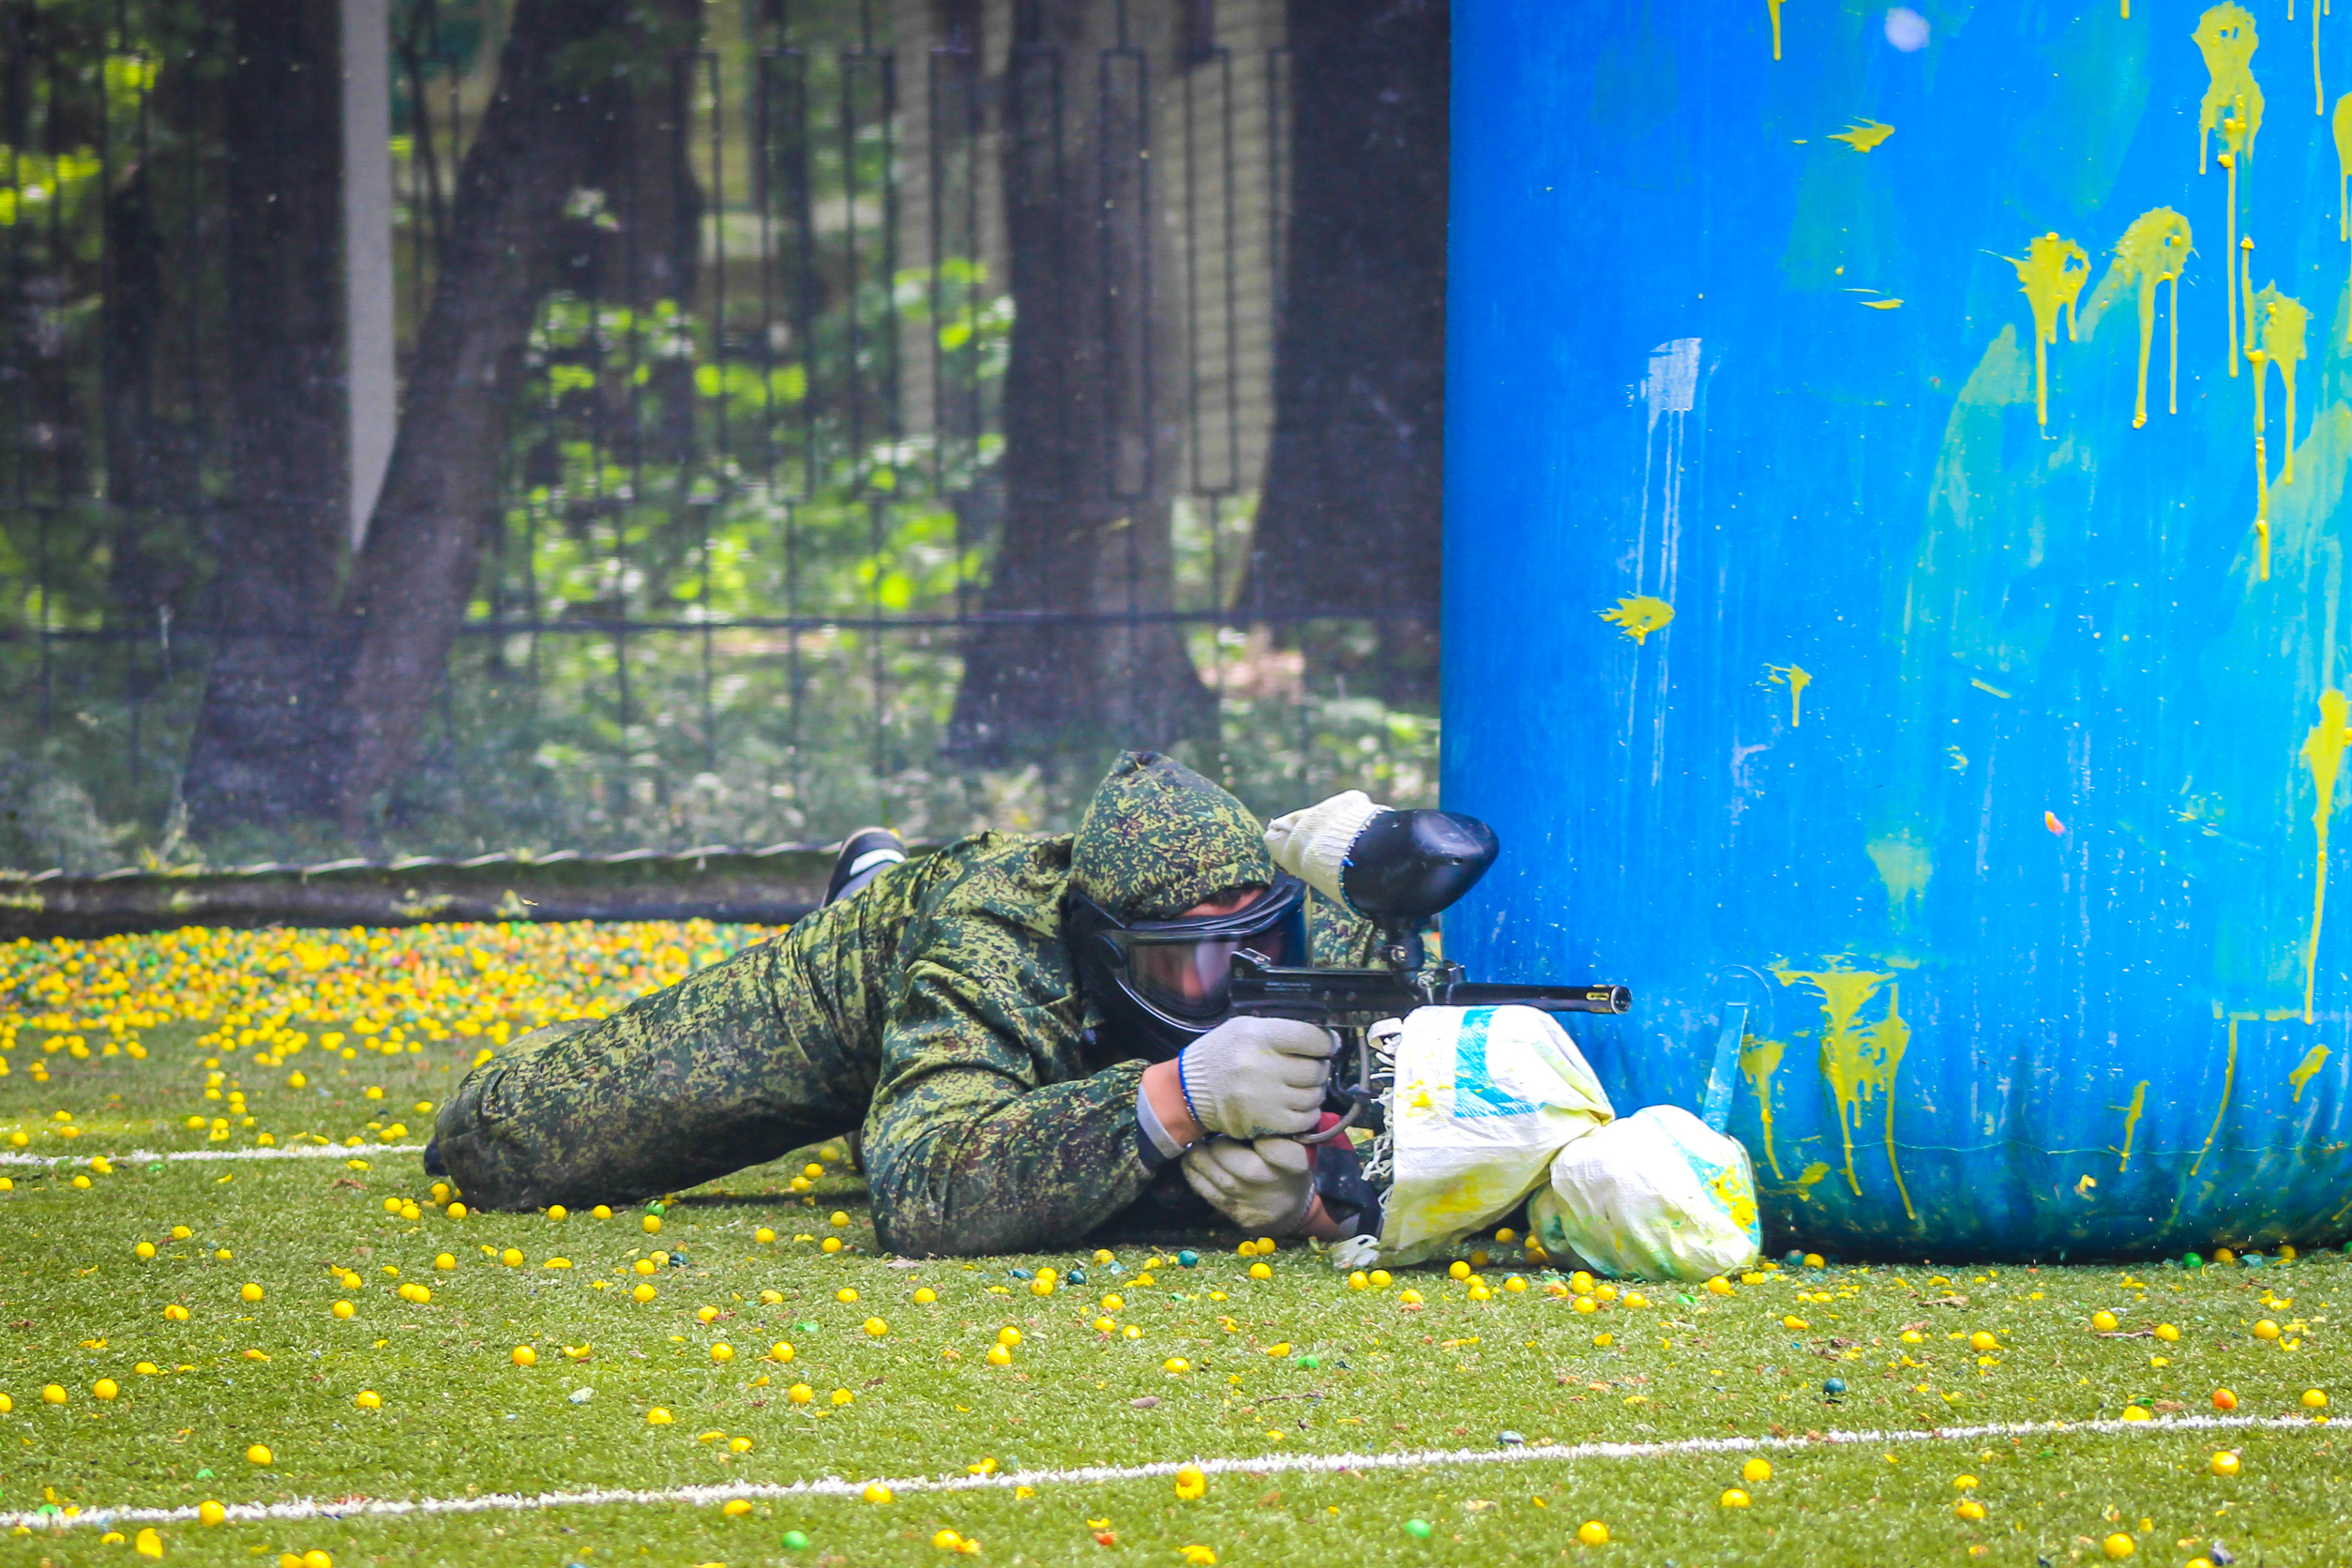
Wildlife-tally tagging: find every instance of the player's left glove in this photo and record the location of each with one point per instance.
(1266, 1187)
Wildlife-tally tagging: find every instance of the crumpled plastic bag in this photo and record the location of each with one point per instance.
(1485, 1098)
(1658, 1194)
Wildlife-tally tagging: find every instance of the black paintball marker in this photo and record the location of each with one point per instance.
(1403, 868)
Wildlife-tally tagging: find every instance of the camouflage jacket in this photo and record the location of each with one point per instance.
(938, 1009)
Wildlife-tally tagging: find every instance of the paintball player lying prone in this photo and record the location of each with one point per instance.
(1027, 1032)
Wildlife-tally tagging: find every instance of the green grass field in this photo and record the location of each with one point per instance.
(1336, 1423)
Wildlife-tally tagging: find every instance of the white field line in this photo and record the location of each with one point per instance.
(145, 1157)
(1263, 1464)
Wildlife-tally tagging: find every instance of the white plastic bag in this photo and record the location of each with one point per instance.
(1658, 1194)
(1485, 1098)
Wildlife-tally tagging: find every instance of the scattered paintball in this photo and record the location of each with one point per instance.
(647, 1408)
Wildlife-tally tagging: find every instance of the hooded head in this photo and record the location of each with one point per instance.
(1158, 838)
(1157, 841)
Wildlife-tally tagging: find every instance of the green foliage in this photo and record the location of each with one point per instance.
(741, 478)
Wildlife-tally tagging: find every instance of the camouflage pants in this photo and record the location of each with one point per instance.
(738, 1063)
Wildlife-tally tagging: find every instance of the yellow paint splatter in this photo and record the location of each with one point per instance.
(1858, 1060)
(2155, 249)
(2131, 1124)
(1796, 678)
(1731, 1189)
(1983, 686)
(2225, 36)
(1863, 135)
(2313, 1061)
(1903, 867)
(1759, 1059)
(1809, 1179)
(1882, 305)
(2229, 1079)
(2323, 754)
(1639, 617)
(1773, 7)
(2082, 1189)
(2051, 278)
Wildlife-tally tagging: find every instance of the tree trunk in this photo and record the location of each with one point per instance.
(1090, 444)
(254, 756)
(416, 571)
(152, 485)
(1349, 514)
(134, 439)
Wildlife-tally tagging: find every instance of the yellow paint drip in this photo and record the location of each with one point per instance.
(2313, 1061)
(2318, 90)
(1773, 7)
(1892, 1037)
(2279, 324)
(2323, 754)
(1858, 1060)
(1796, 678)
(2131, 1124)
(2232, 104)
(2343, 128)
(1863, 135)
(1759, 1059)
(2155, 249)
(2229, 1079)
(2051, 278)
(1638, 617)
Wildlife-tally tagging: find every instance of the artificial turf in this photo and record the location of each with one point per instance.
(1298, 1362)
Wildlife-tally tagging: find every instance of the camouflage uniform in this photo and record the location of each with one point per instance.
(937, 1009)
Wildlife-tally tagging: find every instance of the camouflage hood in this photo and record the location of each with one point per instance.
(1158, 838)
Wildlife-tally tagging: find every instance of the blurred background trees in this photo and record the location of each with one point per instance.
(807, 414)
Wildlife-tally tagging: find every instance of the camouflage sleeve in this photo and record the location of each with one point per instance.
(986, 1134)
(1337, 938)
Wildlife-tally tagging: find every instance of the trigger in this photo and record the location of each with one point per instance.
(1331, 1125)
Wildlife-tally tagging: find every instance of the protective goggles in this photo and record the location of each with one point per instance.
(1183, 969)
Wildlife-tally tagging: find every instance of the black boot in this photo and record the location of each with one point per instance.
(865, 855)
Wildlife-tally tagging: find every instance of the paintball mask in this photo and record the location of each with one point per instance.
(1162, 983)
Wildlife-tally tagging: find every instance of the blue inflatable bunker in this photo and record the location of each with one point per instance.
(1895, 600)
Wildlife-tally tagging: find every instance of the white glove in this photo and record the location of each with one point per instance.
(1266, 1187)
(1256, 1078)
(1312, 844)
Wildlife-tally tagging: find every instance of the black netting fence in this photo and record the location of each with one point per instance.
(709, 424)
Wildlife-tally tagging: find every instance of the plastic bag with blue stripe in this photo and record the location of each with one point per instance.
(1481, 1100)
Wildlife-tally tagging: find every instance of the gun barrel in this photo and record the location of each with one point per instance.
(1340, 995)
(1551, 999)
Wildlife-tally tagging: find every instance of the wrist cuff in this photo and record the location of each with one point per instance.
(1152, 1140)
